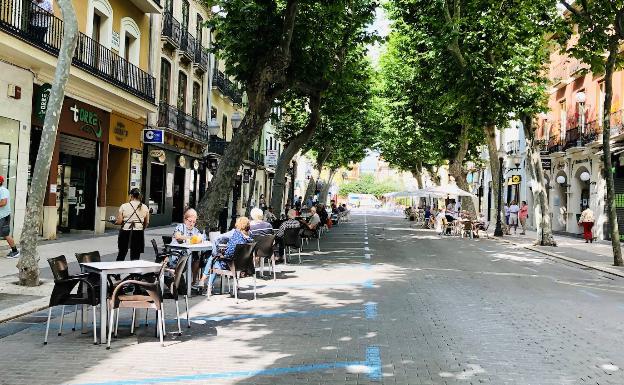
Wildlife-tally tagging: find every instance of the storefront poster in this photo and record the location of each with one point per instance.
(136, 160)
(169, 185)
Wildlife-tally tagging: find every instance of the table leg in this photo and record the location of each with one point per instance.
(189, 274)
(103, 305)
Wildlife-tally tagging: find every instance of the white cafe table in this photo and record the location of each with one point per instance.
(104, 269)
(204, 246)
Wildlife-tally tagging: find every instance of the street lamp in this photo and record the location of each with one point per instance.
(498, 232)
(237, 118)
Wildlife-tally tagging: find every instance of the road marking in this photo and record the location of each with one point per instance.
(370, 310)
(371, 366)
(590, 293)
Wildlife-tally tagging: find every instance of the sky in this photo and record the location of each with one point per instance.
(382, 26)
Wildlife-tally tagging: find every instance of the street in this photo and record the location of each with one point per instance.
(382, 303)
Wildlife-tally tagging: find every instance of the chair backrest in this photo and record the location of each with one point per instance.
(292, 238)
(264, 245)
(59, 267)
(213, 235)
(179, 274)
(92, 256)
(167, 239)
(243, 257)
(467, 225)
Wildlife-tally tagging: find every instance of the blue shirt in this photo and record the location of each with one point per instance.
(182, 229)
(237, 238)
(6, 209)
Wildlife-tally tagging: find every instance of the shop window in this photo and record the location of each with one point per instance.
(165, 79)
(157, 188)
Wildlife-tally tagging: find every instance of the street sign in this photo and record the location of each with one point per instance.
(514, 179)
(547, 164)
(246, 175)
(152, 135)
(271, 158)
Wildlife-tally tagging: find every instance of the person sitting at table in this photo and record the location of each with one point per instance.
(322, 213)
(450, 218)
(259, 227)
(183, 233)
(440, 221)
(291, 223)
(310, 227)
(268, 215)
(240, 235)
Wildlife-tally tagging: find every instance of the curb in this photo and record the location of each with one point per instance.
(562, 257)
(23, 313)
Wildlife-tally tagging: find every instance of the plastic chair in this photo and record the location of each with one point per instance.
(467, 229)
(151, 300)
(62, 294)
(292, 239)
(265, 250)
(242, 260)
(176, 286)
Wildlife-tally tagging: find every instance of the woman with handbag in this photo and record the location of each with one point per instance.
(133, 217)
(587, 221)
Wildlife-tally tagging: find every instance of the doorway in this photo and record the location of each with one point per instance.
(76, 199)
(179, 176)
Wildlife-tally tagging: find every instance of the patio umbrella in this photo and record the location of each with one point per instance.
(450, 189)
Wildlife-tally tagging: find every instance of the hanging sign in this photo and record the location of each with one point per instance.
(152, 135)
(547, 164)
(514, 179)
(271, 158)
(246, 175)
(41, 100)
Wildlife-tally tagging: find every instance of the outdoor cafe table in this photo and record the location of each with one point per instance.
(204, 246)
(104, 269)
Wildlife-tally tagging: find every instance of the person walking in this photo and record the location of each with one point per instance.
(523, 215)
(587, 221)
(5, 219)
(134, 219)
(514, 209)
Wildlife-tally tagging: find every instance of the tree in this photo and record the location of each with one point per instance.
(297, 50)
(600, 28)
(28, 263)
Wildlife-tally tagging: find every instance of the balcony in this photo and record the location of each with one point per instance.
(147, 6)
(171, 32)
(565, 70)
(221, 82)
(217, 145)
(201, 59)
(174, 119)
(554, 144)
(256, 157)
(187, 46)
(89, 54)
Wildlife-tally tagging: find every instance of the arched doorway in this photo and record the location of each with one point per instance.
(560, 201)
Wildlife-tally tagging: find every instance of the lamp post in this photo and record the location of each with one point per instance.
(498, 232)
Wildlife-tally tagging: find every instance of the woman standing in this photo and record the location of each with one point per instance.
(587, 221)
(134, 219)
(523, 215)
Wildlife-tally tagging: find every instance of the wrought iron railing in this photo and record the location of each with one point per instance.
(201, 57)
(221, 82)
(256, 156)
(217, 145)
(554, 144)
(171, 29)
(187, 44)
(36, 26)
(171, 117)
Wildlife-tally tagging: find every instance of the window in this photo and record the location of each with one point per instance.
(157, 188)
(97, 22)
(224, 121)
(168, 6)
(130, 40)
(563, 116)
(182, 91)
(165, 79)
(198, 29)
(185, 15)
(601, 86)
(213, 113)
(196, 99)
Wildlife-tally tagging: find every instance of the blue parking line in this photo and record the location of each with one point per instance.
(370, 310)
(372, 363)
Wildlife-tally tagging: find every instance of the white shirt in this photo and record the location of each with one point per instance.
(513, 209)
(39, 18)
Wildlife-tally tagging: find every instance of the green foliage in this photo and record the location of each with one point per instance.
(368, 185)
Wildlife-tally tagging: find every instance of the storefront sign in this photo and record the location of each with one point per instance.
(41, 100)
(546, 164)
(158, 154)
(271, 158)
(181, 161)
(152, 135)
(514, 179)
(89, 120)
(125, 132)
(84, 120)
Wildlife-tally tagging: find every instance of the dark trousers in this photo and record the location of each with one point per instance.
(38, 33)
(132, 240)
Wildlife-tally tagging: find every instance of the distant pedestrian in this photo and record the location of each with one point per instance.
(587, 221)
(5, 219)
(507, 214)
(439, 221)
(40, 19)
(513, 216)
(134, 219)
(523, 215)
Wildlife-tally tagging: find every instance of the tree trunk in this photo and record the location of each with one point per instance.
(252, 190)
(291, 149)
(490, 135)
(28, 263)
(418, 175)
(541, 210)
(606, 138)
(433, 173)
(326, 186)
(456, 170)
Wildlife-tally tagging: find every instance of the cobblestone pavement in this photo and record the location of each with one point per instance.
(381, 304)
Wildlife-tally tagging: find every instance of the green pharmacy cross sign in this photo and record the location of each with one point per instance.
(92, 123)
(41, 100)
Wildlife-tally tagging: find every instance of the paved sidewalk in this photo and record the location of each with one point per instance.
(597, 255)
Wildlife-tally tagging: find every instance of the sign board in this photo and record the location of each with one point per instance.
(514, 179)
(41, 100)
(115, 43)
(547, 164)
(246, 175)
(152, 135)
(271, 158)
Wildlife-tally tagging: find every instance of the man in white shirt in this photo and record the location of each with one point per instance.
(5, 219)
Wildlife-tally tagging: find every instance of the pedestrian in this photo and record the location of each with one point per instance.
(5, 219)
(42, 13)
(514, 209)
(507, 214)
(262, 203)
(587, 221)
(439, 221)
(298, 203)
(133, 217)
(523, 215)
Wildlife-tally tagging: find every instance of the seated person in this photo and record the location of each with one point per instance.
(268, 215)
(183, 232)
(291, 223)
(342, 208)
(322, 213)
(310, 227)
(239, 235)
(258, 227)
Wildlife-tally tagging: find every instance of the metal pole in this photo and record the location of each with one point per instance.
(498, 232)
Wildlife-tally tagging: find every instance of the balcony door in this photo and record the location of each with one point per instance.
(196, 100)
(165, 79)
(182, 82)
(198, 30)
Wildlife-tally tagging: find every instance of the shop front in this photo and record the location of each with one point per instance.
(175, 178)
(125, 160)
(76, 197)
